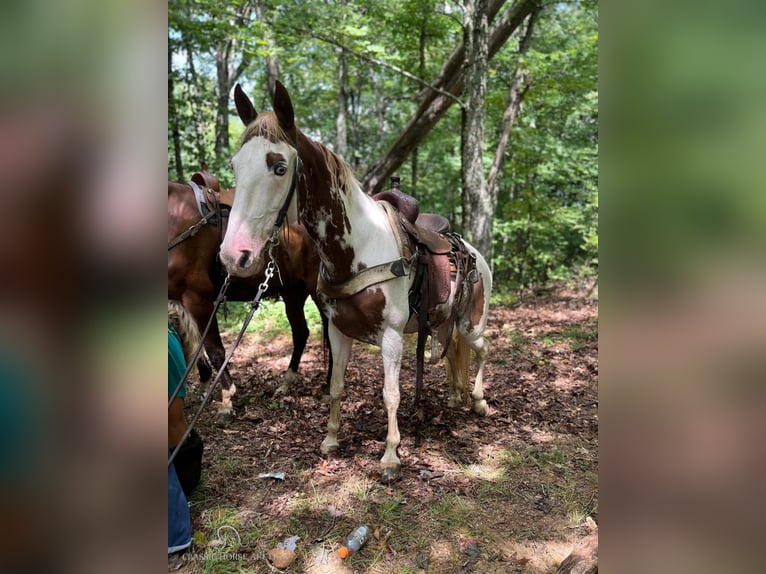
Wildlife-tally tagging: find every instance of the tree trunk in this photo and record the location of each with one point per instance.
(272, 62)
(519, 87)
(199, 122)
(433, 105)
(226, 75)
(222, 101)
(422, 74)
(478, 207)
(379, 111)
(173, 119)
(341, 128)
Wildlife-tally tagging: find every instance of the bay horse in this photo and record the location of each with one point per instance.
(367, 275)
(195, 276)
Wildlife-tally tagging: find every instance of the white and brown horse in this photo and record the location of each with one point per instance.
(283, 175)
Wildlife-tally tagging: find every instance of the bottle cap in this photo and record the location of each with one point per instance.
(343, 552)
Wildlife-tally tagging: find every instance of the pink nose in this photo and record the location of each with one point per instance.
(239, 254)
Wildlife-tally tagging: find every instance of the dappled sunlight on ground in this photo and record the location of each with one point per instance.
(503, 493)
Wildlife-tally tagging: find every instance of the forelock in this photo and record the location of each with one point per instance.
(266, 126)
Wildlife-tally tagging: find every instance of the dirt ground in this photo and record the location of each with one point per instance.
(506, 493)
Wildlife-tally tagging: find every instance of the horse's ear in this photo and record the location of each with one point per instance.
(283, 107)
(202, 166)
(245, 108)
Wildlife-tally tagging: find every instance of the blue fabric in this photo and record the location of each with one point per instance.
(21, 420)
(176, 362)
(179, 521)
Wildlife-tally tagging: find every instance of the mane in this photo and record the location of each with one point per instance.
(342, 177)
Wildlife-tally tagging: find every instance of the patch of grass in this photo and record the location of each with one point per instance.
(518, 343)
(269, 320)
(503, 298)
(231, 466)
(452, 512)
(360, 489)
(537, 457)
(225, 536)
(575, 503)
(576, 335)
(390, 510)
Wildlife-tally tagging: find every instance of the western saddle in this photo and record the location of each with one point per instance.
(441, 256)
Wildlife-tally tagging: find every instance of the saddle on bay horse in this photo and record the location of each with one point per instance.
(214, 205)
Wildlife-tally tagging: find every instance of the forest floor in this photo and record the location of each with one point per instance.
(506, 493)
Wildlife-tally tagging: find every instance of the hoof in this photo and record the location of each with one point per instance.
(480, 408)
(328, 449)
(282, 389)
(389, 475)
(225, 419)
(453, 403)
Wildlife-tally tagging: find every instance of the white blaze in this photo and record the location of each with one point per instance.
(261, 192)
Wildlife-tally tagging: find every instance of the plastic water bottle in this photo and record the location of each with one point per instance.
(354, 541)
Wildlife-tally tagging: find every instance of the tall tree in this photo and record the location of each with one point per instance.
(173, 118)
(519, 87)
(196, 103)
(341, 124)
(228, 72)
(478, 207)
(271, 57)
(433, 105)
(422, 73)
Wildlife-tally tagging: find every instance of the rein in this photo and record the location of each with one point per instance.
(192, 231)
(256, 302)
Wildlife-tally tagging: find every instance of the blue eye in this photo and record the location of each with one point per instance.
(280, 169)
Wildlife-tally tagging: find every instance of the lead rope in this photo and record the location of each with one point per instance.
(256, 302)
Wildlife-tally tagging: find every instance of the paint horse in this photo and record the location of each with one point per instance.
(195, 275)
(362, 251)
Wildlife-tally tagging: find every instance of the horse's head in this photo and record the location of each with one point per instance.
(266, 169)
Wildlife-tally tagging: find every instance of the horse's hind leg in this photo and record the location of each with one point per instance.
(480, 346)
(294, 298)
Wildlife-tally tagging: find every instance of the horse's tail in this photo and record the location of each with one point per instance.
(458, 360)
(462, 364)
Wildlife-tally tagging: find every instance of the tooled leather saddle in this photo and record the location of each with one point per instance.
(442, 257)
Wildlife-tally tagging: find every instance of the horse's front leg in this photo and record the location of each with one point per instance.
(340, 347)
(391, 349)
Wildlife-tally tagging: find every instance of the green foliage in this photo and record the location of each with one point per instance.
(546, 220)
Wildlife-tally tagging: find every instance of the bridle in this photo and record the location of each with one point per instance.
(273, 240)
(297, 173)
